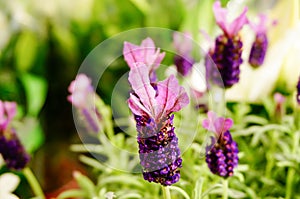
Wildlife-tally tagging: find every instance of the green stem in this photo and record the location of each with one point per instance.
(225, 189)
(33, 182)
(270, 154)
(291, 170)
(166, 192)
(289, 183)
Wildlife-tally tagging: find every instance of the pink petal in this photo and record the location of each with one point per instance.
(146, 53)
(261, 26)
(132, 54)
(7, 113)
(11, 109)
(217, 124)
(227, 124)
(136, 107)
(221, 19)
(148, 47)
(171, 97)
(157, 58)
(2, 117)
(140, 83)
(220, 15)
(238, 23)
(183, 43)
(81, 89)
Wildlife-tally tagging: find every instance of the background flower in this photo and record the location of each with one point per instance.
(8, 183)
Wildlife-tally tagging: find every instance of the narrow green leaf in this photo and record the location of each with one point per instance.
(36, 91)
(26, 50)
(72, 193)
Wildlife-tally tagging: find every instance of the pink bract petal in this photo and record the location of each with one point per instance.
(11, 109)
(209, 122)
(7, 113)
(263, 24)
(238, 23)
(183, 43)
(232, 28)
(220, 15)
(171, 97)
(140, 83)
(146, 53)
(80, 89)
(136, 107)
(217, 124)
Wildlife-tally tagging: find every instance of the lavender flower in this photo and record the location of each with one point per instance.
(260, 44)
(82, 97)
(298, 92)
(222, 154)
(146, 54)
(183, 46)
(227, 51)
(11, 148)
(153, 108)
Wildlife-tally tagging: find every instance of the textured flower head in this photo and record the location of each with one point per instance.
(157, 104)
(183, 45)
(222, 154)
(80, 89)
(83, 97)
(298, 92)
(7, 113)
(229, 28)
(152, 104)
(146, 54)
(11, 147)
(216, 124)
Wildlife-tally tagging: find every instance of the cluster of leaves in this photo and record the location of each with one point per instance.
(269, 159)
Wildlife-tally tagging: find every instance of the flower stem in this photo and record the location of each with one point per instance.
(166, 192)
(225, 189)
(291, 170)
(33, 182)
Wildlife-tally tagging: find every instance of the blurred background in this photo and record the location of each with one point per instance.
(42, 45)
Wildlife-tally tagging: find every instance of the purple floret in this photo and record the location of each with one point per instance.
(227, 56)
(222, 156)
(159, 152)
(258, 50)
(13, 152)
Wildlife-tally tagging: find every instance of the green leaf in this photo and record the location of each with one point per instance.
(72, 193)
(181, 191)
(30, 133)
(36, 90)
(25, 50)
(85, 184)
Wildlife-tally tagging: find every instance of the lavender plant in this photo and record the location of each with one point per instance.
(152, 107)
(226, 54)
(259, 47)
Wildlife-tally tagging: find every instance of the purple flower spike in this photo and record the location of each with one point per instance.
(260, 45)
(146, 54)
(222, 154)
(183, 45)
(298, 92)
(227, 51)
(82, 97)
(11, 148)
(152, 106)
